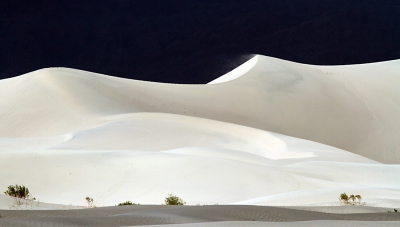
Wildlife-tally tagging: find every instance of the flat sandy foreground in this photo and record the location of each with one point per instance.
(182, 216)
(269, 134)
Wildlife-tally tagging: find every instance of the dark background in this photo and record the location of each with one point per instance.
(192, 41)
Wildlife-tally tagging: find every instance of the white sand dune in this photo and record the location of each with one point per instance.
(354, 107)
(67, 134)
(211, 162)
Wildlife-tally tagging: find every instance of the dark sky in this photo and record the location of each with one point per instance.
(192, 41)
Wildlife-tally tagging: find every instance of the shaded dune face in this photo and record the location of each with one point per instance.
(81, 133)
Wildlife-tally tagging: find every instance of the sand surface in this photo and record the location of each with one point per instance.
(271, 132)
(211, 162)
(353, 107)
(193, 216)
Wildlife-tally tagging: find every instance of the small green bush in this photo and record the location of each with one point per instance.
(359, 198)
(127, 203)
(344, 198)
(353, 198)
(17, 191)
(173, 200)
(89, 201)
(20, 193)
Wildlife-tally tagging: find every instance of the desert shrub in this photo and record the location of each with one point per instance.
(344, 198)
(353, 198)
(127, 203)
(18, 191)
(173, 200)
(89, 201)
(358, 198)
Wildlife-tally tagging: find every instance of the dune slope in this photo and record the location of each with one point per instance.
(68, 134)
(350, 107)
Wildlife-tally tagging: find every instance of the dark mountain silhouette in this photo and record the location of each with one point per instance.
(192, 41)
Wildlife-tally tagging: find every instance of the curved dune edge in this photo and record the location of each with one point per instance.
(237, 72)
(84, 134)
